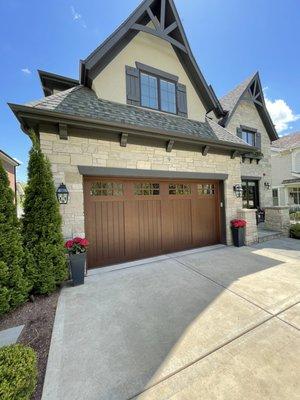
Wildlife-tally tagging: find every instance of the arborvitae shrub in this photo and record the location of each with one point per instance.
(41, 225)
(14, 285)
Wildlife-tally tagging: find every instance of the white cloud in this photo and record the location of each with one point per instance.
(26, 71)
(77, 17)
(281, 114)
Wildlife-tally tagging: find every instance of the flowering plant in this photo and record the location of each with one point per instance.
(77, 245)
(238, 223)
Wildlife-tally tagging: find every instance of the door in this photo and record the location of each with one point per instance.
(250, 194)
(127, 219)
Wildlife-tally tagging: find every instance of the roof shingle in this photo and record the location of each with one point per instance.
(287, 142)
(82, 101)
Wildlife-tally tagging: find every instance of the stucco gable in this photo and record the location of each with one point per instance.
(110, 84)
(163, 16)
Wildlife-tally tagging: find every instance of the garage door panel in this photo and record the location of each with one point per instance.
(181, 222)
(130, 219)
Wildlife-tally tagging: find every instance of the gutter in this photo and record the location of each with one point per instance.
(36, 114)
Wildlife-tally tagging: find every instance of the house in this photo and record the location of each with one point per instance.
(10, 165)
(286, 171)
(153, 161)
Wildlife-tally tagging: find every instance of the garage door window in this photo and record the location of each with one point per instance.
(206, 190)
(107, 189)
(179, 189)
(146, 189)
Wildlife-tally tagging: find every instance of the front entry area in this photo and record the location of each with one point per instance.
(250, 193)
(127, 219)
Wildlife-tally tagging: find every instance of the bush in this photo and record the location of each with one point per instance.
(18, 372)
(14, 286)
(41, 225)
(295, 231)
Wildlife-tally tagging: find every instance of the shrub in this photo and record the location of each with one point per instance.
(295, 231)
(18, 372)
(41, 225)
(14, 286)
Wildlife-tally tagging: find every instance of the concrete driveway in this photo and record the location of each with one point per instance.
(214, 323)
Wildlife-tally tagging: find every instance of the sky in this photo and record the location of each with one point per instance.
(230, 41)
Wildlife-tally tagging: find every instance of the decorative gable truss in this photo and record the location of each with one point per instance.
(161, 30)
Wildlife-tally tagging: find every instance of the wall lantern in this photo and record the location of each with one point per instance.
(62, 194)
(238, 190)
(267, 185)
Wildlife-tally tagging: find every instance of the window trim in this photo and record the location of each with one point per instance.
(159, 78)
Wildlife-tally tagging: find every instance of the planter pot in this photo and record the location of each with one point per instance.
(77, 262)
(238, 235)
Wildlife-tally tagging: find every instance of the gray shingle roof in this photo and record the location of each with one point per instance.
(230, 100)
(288, 141)
(82, 101)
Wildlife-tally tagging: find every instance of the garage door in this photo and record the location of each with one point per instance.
(127, 219)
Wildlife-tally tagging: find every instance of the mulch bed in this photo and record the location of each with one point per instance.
(38, 318)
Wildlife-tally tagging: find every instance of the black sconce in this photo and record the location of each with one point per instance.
(62, 194)
(267, 185)
(238, 190)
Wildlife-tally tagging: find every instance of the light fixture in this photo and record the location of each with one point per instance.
(238, 190)
(267, 185)
(62, 194)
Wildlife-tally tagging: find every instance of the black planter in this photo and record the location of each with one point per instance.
(77, 262)
(238, 235)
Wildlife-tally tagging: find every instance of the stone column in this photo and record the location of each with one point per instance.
(278, 219)
(251, 233)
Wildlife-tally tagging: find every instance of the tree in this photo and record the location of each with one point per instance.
(14, 285)
(41, 225)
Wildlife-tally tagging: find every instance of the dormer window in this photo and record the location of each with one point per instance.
(158, 93)
(250, 136)
(155, 89)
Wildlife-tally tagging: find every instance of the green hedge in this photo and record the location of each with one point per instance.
(18, 372)
(295, 231)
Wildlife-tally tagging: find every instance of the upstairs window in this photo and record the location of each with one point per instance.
(158, 94)
(248, 137)
(158, 90)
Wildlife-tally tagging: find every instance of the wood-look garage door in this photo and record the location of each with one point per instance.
(127, 219)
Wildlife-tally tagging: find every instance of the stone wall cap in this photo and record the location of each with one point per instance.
(248, 210)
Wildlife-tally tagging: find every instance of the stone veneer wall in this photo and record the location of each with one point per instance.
(251, 232)
(246, 114)
(66, 155)
(278, 219)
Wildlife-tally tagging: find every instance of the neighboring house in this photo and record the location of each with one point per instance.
(153, 161)
(20, 197)
(286, 171)
(10, 166)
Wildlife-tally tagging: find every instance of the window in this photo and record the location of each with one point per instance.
(149, 93)
(107, 189)
(275, 197)
(295, 195)
(207, 189)
(249, 137)
(168, 96)
(146, 189)
(179, 189)
(158, 93)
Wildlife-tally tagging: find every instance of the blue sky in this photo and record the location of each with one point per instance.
(230, 40)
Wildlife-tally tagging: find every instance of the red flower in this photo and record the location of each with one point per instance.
(77, 240)
(84, 242)
(69, 244)
(238, 223)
